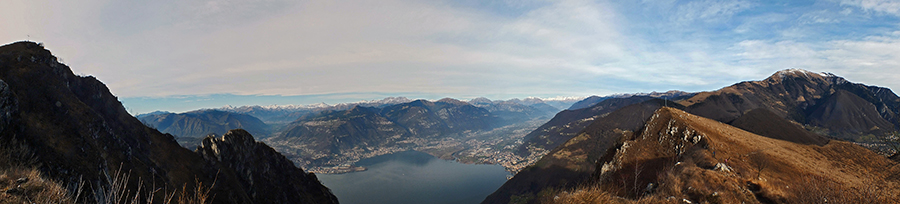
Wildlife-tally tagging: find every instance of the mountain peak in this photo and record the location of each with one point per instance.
(780, 76)
(452, 101)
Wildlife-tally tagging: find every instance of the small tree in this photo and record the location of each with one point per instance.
(760, 162)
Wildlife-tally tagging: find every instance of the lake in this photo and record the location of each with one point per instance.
(415, 177)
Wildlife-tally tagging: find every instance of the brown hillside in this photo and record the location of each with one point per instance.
(681, 157)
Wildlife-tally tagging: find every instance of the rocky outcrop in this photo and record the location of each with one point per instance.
(267, 176)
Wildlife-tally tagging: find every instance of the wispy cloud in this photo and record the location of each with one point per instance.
(891, 7)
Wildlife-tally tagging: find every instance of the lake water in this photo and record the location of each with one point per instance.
(415, 177)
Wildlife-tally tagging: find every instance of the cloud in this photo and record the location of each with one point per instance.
(872, 60)
(891, 7)
(448, 48)
(710, 10)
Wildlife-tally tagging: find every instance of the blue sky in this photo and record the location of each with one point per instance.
(182, 55)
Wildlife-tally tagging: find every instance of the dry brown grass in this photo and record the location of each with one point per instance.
(764, 170)
(118, 192)
(820, 189)
(36, 189)
(27, 185)
(585, 195)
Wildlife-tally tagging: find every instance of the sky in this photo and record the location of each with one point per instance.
(180, 55)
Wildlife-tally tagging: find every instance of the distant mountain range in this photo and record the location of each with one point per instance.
(673, 95)
(327, 138)
(358, 128)
(786, 107)
(204, 122)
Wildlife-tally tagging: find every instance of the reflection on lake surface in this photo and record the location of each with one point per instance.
(415, 177)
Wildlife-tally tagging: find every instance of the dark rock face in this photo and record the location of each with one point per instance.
(8, 105)
(204, 122)
(80, 132)
(267, 176)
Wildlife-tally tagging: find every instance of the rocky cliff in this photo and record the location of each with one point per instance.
(267, 176)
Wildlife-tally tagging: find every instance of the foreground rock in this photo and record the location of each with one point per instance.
(267, 176)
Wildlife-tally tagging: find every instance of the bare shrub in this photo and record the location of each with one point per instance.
(27, 185)
(819, 189)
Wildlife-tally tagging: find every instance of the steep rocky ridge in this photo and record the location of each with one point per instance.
(80, 134)
(268, 176)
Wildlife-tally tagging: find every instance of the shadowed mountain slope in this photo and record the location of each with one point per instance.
(567, 123)
(763, 122)
(80, 134)
(204, 122)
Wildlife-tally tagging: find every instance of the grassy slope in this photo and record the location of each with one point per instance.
(792, 173)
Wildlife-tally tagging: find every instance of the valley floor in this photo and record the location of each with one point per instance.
(496, 146)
